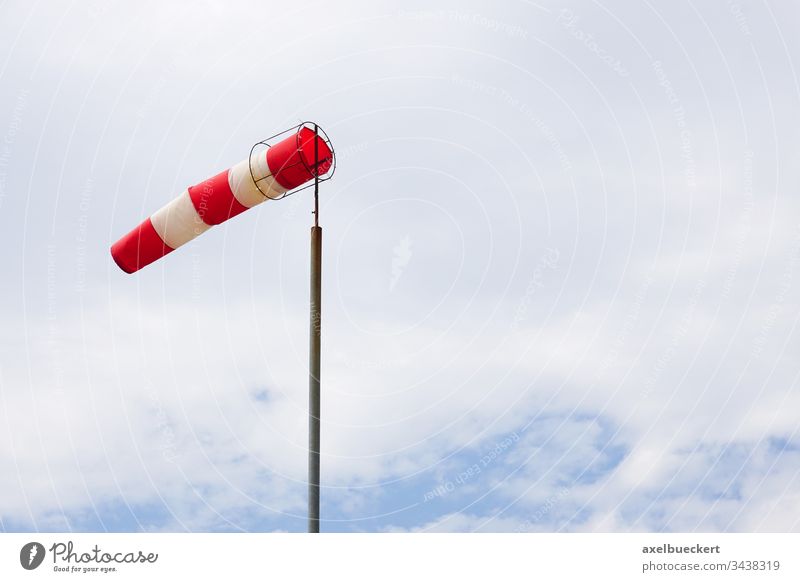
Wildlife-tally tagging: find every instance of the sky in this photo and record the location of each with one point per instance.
(560, 270)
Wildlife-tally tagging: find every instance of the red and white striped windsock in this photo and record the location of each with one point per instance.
(286, 165)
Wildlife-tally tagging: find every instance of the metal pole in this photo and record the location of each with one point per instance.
(315, 328)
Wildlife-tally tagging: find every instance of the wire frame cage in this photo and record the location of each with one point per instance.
(316, 164)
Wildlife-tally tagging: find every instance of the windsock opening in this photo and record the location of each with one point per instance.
(292, 160)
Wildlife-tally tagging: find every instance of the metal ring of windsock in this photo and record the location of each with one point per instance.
(272, 171)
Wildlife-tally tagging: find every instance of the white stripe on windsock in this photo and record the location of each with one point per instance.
(244, 188)
(178, 222)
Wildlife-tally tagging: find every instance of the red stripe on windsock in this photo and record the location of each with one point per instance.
(291, 161)
(139, 248)
(214, 200)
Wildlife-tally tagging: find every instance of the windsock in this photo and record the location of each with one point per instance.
(284, 166)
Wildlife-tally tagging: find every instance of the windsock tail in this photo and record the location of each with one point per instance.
(139, 248)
